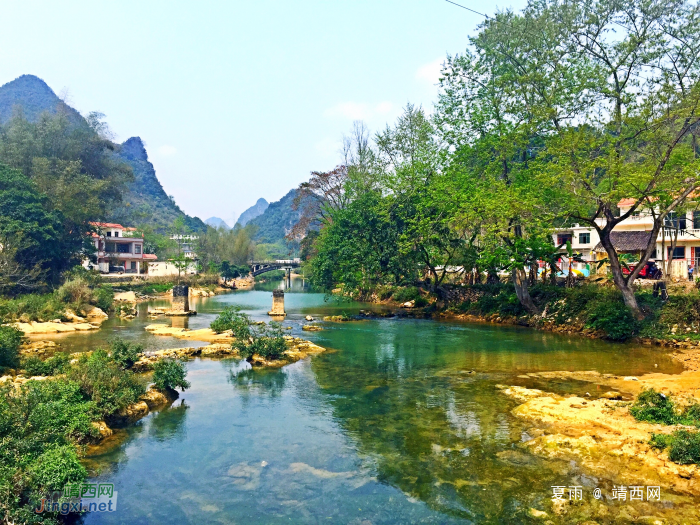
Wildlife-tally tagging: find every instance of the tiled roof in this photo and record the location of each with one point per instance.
(627, 241)
(107, 225)
(150, 256)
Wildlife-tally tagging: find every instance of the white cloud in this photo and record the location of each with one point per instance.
(359, 110)
(430, 72)
(166, 151)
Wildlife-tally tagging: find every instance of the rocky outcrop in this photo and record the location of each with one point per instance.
(206, 335)
(38, 348)
(126, 297)
(54, 327)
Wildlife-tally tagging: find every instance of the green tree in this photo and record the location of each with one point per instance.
(604, 98)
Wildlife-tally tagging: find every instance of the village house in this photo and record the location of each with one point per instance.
(632, 236)
(118, 250)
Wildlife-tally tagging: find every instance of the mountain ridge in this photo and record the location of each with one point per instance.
(145, 203)
(254, 211)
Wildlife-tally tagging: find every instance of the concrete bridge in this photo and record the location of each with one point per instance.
(259, 267)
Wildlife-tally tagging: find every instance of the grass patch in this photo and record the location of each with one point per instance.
(683, 446)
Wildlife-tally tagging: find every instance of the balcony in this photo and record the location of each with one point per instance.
(692, 234)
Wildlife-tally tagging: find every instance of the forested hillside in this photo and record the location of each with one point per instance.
(145, 202)
(27, 100)
(277, 221)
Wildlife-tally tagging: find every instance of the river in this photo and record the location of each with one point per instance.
(400, 421)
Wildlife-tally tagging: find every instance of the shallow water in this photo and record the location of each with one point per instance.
(399, 422)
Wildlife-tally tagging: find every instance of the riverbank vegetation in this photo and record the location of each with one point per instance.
(44, 424)
(683, 444)
(550, 118)
(81, 290)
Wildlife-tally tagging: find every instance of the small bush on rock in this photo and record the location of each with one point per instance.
(169, 374)
(111, 387)
(266, 341)
(654, 407)
(125, 354)
(231, 318)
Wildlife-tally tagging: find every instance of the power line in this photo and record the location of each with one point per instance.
(458, 5)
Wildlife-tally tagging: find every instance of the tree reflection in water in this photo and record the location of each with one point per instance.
(169, 423)
(251, 382)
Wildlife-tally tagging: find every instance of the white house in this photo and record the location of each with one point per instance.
(628, 236)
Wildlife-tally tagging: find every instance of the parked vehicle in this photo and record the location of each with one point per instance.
(116, 269)
(650, 271)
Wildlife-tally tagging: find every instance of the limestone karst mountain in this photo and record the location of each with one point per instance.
(254, 211)
(145, 203)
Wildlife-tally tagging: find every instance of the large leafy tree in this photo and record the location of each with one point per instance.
(604, 97)
(32, 238)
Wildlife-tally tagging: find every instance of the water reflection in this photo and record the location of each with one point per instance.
(255, 382)
(169, 423)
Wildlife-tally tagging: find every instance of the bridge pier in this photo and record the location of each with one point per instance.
(277, 304)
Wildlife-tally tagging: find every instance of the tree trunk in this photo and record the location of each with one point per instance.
(619, 278)
(521, 290)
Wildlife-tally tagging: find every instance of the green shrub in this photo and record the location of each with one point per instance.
(660, 441)
(169, 374)
(613, 318)
(123, 353)
(10, 340)
(55, 468)
(231, 318)
(405, 294)
(56, 364)
(654, 407)
(266, 341)
(76, 292)
(691, 415)
(106, 383)
(104, 297)
(685, 447)
(39, 425)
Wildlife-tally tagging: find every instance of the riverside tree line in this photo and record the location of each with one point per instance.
(551, 116)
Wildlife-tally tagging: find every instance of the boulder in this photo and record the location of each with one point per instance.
(127, 297)
(73, 317)
(102, 428)
(94, 314)
(155, 398)
(309, 318)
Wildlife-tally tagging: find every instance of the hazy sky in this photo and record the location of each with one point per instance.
(237, 100)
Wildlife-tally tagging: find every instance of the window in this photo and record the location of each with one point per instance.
(109, 234)
(584, 238)
(137, 248)
(116, 234)
(123, 248)
(696, 220)
(133, 265)
(678, 253)
(563, 238)
(674, 221)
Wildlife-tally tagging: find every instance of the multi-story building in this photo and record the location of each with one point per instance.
(119, 249)
(632, 236)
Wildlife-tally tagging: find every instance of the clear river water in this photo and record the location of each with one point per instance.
(398, 422)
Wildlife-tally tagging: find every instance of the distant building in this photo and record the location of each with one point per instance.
(118, 250)
(187, 244)
(632, 235)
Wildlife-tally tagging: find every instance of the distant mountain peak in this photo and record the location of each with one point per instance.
(34, 96)
(217, 222)
(134, 148)
(254, 211)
